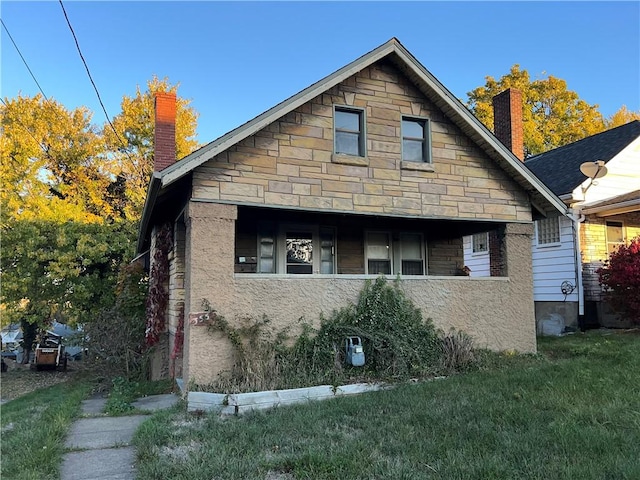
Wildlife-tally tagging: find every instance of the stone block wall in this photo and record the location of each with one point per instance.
(290, 163)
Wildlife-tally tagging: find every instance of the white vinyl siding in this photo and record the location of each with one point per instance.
(553, 265)
(478, 263)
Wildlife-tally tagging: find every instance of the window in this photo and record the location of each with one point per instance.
(349, 132)
(480, 242)
(296, 249)
(378, 253)
(402, 254)
(415, 140)
(548, 230)
(411, 254)
(615, 236)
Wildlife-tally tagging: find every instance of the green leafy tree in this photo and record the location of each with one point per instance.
(133, 144)
(63, 271)
(553, 115)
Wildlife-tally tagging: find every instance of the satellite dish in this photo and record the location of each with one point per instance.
(593, 170)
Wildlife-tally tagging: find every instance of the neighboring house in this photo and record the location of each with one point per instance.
(376, 169)
(606, 214)
(567, 251)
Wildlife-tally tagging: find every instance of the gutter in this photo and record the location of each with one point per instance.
(614, 208)
(155, 185)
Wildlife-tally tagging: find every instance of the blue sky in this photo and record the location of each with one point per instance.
(235, 60)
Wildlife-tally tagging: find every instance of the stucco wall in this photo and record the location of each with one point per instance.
(497, 312)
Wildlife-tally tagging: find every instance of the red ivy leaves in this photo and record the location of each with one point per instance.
(620, 275)
(158, 298)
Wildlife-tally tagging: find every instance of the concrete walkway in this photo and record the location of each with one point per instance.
(102, 444)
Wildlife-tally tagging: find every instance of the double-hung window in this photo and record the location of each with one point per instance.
(349, 136)
(615, 236)
(548, 230)
(416, 145)
(389, 254)
(297, 250)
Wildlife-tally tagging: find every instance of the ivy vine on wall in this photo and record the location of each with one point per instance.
(158, 298)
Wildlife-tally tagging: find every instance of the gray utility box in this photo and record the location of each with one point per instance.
(354, 351)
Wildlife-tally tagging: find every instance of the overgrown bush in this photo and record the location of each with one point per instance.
(620, 276)
(398, 344)
(457, 352)
(116, 337)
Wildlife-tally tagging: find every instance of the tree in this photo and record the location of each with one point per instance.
(553, 115)
(620, 276)
(63, 271)
(135, 128)
(621, 117)
(53, 164)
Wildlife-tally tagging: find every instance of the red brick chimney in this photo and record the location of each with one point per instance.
(507, 120)
(164, 141)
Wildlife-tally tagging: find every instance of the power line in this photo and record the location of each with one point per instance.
(23, 59)
(27, 130)
(92, 82)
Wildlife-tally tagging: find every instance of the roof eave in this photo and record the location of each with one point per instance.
(149, 203)
(613, 209)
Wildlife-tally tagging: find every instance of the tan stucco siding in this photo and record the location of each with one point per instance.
(290, 162)
(497, 312)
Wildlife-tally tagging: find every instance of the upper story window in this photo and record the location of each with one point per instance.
(615, 236)
(349, 131)
(480, 242)
(548, 230)
(416, 140)
(390, 255)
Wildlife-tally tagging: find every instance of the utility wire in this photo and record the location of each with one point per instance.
(23, 60)
(24, 127)
(92, 82)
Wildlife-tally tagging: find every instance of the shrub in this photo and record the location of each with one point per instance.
(620, 276)
(397, 342)
(116, 336)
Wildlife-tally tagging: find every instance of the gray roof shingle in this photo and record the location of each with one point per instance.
(559, 168)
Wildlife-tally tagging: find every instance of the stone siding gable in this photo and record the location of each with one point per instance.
(290, 163)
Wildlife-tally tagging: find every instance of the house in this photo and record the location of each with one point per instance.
(606, 214)
(377, 169)
(567, 251)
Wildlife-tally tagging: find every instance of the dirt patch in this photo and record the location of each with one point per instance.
(19, 380)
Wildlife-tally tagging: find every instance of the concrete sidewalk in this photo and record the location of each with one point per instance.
(103, 443)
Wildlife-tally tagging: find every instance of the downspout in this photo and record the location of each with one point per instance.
(577, 218)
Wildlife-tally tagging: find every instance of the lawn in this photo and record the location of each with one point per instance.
(33, 429)
(572, 411)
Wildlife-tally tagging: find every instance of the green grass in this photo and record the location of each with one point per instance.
(34, 427)
(572, 411)
(124, 392)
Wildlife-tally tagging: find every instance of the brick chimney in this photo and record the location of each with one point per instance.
(164, 140)
(507, 120)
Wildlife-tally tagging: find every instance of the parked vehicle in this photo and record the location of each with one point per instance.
(50, 353)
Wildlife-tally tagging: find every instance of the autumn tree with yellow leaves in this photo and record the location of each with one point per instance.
(71, 194)
(553, 115)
